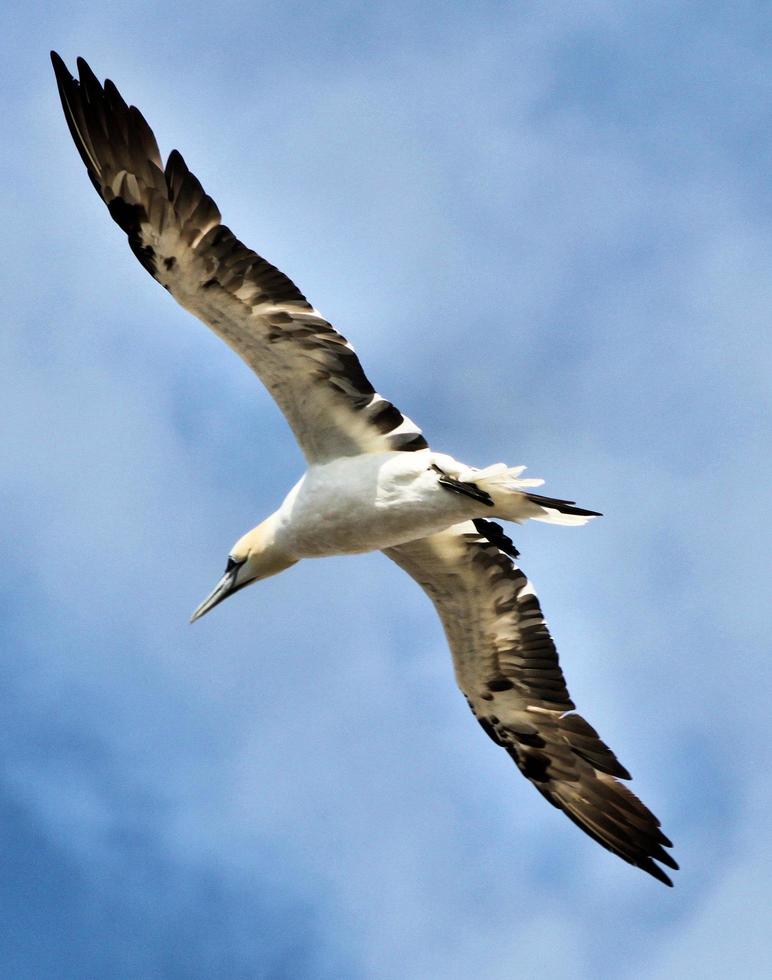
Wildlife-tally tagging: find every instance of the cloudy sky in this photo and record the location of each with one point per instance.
(548, 230)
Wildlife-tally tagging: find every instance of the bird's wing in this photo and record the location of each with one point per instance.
(507, 666)
(174, 229)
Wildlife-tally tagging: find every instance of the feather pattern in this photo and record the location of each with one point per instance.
(174, 229)
(507, 666)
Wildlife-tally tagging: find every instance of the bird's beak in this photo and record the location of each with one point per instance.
(225, 587)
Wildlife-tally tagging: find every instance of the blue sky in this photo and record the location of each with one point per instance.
(548, 231)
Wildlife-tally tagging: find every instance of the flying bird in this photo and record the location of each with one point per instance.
(372, 481)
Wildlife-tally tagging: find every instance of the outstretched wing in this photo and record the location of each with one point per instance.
(507, 666)
(174, 229)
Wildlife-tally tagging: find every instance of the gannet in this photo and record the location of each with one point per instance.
(372, 482)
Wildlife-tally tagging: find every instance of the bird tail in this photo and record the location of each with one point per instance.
(513, 501)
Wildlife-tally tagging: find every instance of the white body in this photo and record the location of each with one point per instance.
(380, 500)
(369, 502)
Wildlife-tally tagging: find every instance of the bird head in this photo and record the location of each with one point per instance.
(255, 556)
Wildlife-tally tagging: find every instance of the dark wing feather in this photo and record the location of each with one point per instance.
(507, 666)
(174, 229)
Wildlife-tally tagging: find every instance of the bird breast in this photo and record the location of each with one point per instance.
(366, 503)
